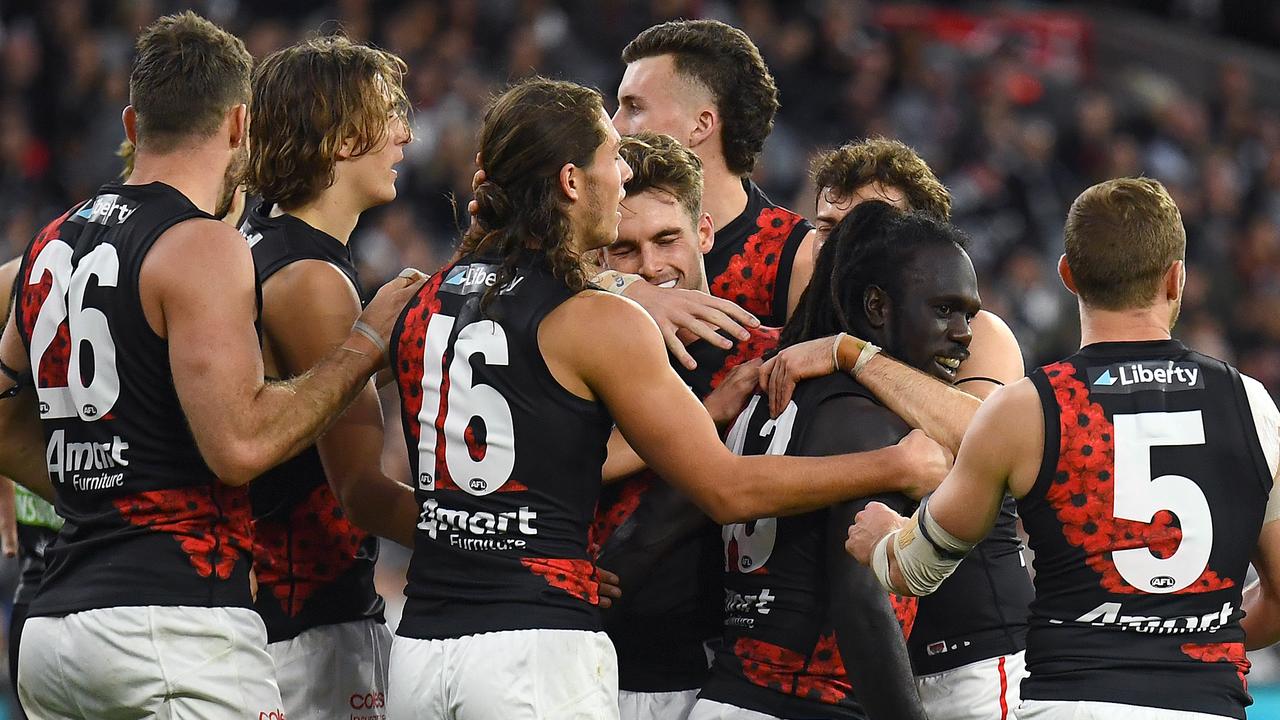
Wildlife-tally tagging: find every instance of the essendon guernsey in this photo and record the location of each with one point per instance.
(506, 462)
(147, 522)
(1143, 519)
(780, 655)
(659, 626)
(751, 260)
(314, 567)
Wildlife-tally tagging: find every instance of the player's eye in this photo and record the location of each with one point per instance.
(943, 310)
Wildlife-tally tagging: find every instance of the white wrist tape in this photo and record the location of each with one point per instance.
(614, 281)
(925, 553)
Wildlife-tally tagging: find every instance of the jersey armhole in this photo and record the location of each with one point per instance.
(782, 281)
(1050, 412)
(1261, 415)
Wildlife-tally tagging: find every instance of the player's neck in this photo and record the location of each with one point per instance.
(723, 196)
(329, 214)
(1098, 326)
(197, 173)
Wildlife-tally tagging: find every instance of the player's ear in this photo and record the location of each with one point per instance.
(706, 233)
(129, 118)
(1064, 272)
(876, 306)
(1175, 279)
(571, 181)
(704, 126)
(238, 118)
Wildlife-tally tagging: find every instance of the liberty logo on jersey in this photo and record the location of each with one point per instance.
(1163, 375)
(107, 210)
(468, 279)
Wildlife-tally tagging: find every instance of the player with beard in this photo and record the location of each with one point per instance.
(1145, 477)
(704, 83)
(37, 523)
(132, 345)
(512, 372)
(808, 634)
(968, 638)
(317, 167)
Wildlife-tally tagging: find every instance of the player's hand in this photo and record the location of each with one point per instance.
(382, 311)
(610, 587)
(697, 313)
(778, 376)
(869, 526)
(927, 463)
(473, 207)
(730, 396)
(8, 519)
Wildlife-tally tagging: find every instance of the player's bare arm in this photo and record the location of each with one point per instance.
(943, 411)
(670, 430)
(801, 270)
(1261, 604)
(8, 510)
(309, 308)
(243, 424)
(1001, 452)
(723, 405)
(22, 452)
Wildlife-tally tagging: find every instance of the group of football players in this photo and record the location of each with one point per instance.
(643, 406)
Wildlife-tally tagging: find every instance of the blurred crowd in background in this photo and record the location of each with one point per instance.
(1015, 127)
(1013, 111)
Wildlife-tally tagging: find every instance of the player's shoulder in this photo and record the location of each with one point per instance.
(310, 281)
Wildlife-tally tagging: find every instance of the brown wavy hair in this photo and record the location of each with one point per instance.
(891, 163)
(660, 162)
(307, 99)
(530, 131)
(725, 61)
(187, 73)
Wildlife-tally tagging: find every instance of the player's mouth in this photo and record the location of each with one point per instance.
(950, 364)
(668, 283)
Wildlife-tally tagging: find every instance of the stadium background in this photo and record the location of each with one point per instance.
(1017, 106)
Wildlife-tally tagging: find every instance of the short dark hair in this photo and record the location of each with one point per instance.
(187, 72)
(530, 131)
(1121, 237)
(891, 163)
(724, 60)
(307, 99)
(660, 162)
(870, 246)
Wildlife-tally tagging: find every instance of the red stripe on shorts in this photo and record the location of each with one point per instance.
(1004, 688)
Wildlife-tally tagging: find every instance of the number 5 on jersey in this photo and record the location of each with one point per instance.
(477, 467)
(90, 347)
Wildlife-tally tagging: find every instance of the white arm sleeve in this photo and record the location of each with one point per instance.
(1266, 418)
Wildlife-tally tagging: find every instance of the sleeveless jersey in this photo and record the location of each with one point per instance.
(659, 627)
(751, 260)
(37, 527)
(780, 654)
(980, 612)
(146, 521)
(506, 461)
(314, 567)
(1143, 518)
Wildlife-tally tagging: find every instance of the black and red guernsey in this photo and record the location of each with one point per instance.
(666, 615)
(1143, 518)
(314, 567)
(780, 654)
(750, 263)
(980, 612)
(147, 522)
(505, 460)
